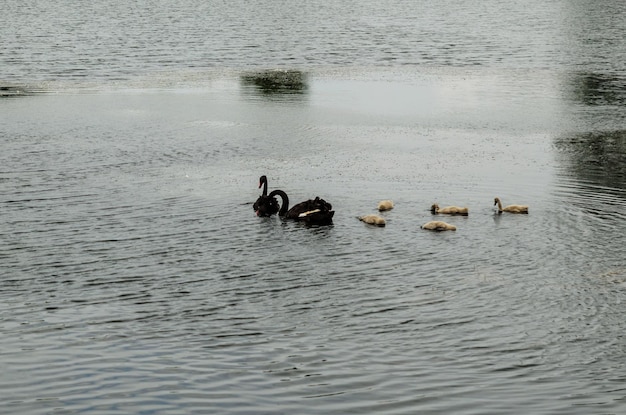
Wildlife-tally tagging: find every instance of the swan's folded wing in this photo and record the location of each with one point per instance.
(307, 213)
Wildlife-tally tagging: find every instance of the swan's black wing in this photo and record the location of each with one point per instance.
(317, 217)
(313, 211)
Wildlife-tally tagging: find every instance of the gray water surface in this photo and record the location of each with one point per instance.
(135, 277)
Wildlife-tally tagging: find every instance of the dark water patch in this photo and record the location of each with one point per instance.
(592, 89)
(12, 91)
(593, 177)
(18, 91)
(597, 156)
(276, 83)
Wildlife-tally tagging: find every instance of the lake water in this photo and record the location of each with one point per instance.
(135, 277)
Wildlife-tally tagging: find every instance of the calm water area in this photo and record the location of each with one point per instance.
(135, 277)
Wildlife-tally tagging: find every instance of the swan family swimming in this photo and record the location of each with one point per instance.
(319, 212)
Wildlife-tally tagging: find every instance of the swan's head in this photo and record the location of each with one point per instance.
(322, 205)
(266, 206)
(495, 201)
(262, 181)
(434, 208)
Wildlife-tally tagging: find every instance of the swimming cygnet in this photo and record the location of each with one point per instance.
(385, 205)
(448, 210)
(437, 225)
(510, 208)
(373, 220)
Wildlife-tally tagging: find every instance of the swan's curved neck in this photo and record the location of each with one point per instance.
(284, 207)
(499, 205)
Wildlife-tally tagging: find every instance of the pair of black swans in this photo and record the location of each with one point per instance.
(312, 212)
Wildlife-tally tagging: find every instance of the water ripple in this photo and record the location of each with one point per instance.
(136, 277)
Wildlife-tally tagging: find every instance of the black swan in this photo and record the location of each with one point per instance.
(265, 205)
(312, 212)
